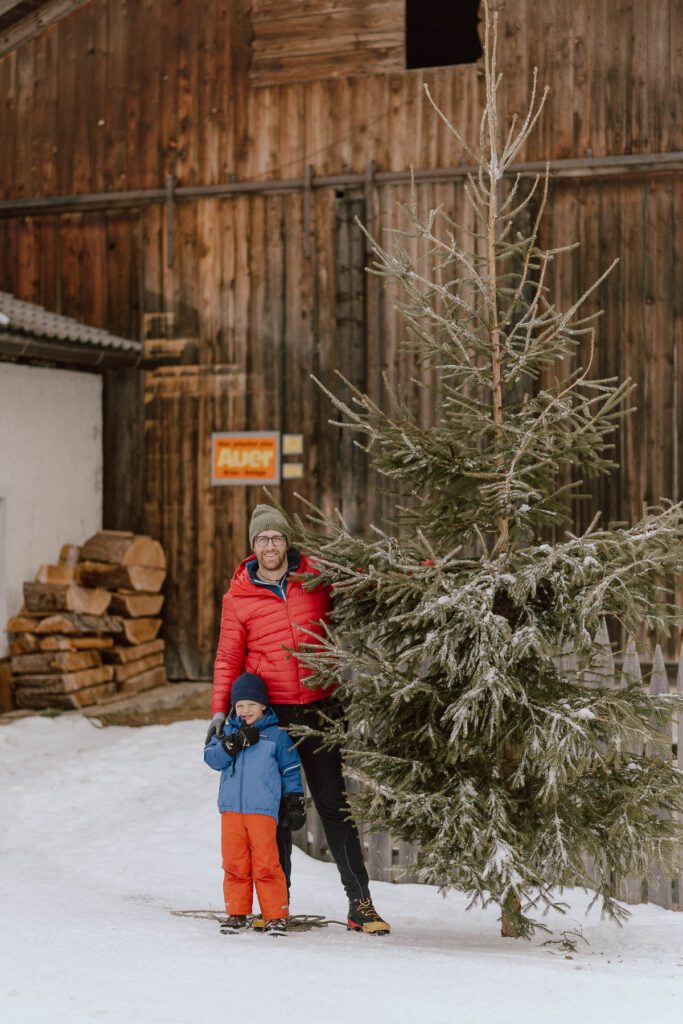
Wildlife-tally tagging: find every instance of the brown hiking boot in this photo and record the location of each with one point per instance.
(364, 918)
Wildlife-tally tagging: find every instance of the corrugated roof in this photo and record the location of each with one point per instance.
(31, 319)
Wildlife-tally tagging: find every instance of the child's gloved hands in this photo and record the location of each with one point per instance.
(246, 736)
(293, 813)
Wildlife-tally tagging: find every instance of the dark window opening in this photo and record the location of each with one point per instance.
(441, 32)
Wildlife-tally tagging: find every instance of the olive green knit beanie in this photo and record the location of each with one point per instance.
(265, 517)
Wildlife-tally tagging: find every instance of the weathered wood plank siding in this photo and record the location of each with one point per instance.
(151, 87)
(264, 290)
(244, 288)
(312, 39)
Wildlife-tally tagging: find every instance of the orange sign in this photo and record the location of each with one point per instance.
(247, 457)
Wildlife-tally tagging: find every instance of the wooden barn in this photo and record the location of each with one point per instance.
(188, 175)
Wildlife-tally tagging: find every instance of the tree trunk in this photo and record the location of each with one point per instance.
(511, 907)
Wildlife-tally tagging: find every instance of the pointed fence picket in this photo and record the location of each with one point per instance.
(392, 860)
(659, 884)
(629, 888)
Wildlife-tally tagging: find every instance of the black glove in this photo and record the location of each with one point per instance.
(246, 736)
(293, 811)
(216, 727)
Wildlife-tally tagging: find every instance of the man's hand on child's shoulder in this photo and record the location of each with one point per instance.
(215, 728)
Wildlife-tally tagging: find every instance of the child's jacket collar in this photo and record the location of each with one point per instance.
(267, 718)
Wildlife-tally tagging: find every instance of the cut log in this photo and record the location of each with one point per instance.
(66, 682)
(139, 631)
(55, 661)
(37, 699)
(145, 681)
(92, 643)
(134, 668)
(55, 574)
(71, 624)
(134, 606)
(120, 577)
(74, 643)
(121, 548)
(23, 624)
(69, 554)
(24, 643)
(124, 655)
(56, 643)
(58, 597)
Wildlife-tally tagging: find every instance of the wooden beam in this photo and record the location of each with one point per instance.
(7, 5)
(581, 167)
(33, 24)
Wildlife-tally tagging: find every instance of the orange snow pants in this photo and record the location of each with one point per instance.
(250, 858)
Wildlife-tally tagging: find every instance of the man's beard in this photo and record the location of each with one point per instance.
(273, 567)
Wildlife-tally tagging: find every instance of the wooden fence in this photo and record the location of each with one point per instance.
(393, 860)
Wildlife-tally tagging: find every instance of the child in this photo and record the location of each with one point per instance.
(260, 771)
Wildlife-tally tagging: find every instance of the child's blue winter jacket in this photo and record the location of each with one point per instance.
(255, 780)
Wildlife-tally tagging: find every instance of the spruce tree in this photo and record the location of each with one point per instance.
(470, 730)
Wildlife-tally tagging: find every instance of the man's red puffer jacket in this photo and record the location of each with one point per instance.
(258, 632)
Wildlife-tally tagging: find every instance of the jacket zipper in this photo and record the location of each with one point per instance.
(286, 604)
(298, 669)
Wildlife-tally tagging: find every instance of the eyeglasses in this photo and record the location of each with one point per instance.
(276, 539)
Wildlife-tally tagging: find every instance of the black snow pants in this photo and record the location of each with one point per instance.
(323, 771)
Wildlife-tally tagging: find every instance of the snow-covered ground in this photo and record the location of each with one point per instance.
(105, 831)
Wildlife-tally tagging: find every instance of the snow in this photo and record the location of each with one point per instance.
(584, 713)
(106, 831)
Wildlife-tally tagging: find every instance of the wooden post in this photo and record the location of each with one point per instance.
(308, 202)
(170, 190)
(380, 856)
(407, 857)
(350, 327)
(369, 219)
(6, 697)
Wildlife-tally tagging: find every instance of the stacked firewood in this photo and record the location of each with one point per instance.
(88, 628)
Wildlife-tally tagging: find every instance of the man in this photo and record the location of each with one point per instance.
(265, 616)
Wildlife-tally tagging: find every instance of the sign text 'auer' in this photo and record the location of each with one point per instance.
(245, 457)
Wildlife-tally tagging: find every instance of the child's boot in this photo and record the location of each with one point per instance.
(276, 926)
(234, 923)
